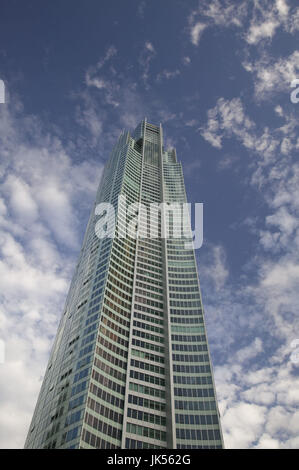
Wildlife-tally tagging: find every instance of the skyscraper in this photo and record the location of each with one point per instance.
(130, 366)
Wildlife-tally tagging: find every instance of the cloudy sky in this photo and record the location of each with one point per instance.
(218, 75)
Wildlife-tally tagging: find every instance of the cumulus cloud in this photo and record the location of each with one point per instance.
(257, 383)
(256, 21)
(258, 406)
(46, 193)
(109, 88)
(273, 76)
(214, 267)
(268, 17)
(227, 118)
(216, 13)
(242, 423)
(110, 91)
(44, 197)
(250, 351)
(196, 31)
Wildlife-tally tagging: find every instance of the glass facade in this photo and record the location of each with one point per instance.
(130, 366)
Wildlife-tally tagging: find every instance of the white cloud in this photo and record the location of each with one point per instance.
(259, 394)
(111, 51)
(147, 55)
(250, 351)
(44, 197)
(278, 420)
(191, 123)
(227, 118)
(256, 20)
(258, 407)
(267, 442)
(89, 118)
(242, 423)
(19, 387)
(186, 60)
(110, 88)
(258, 31)
(149, 46)
(281, 276)
(273, 76)
(196, 31)
(293, 21)
(282, 219)
(216, 269)
(268, 17)
(260, 374)
(95, 78)
(215, 13)
(20, 199)
(282, 7)
(225, 13)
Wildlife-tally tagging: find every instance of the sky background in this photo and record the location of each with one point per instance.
(217, 75)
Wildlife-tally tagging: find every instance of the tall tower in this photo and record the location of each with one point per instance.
(130, 366)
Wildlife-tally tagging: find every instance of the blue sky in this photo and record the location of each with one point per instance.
(218, 75)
